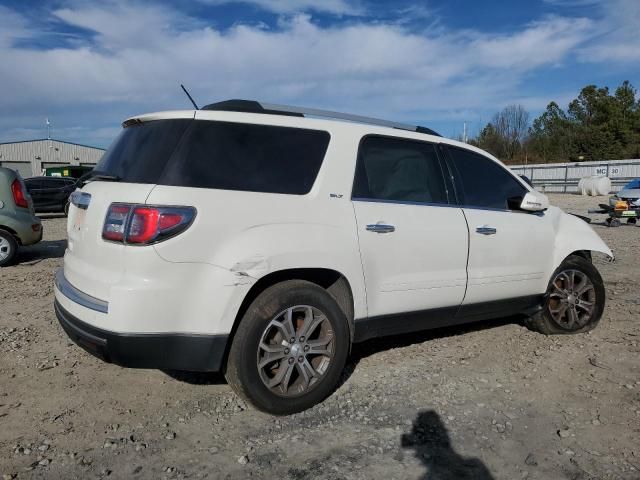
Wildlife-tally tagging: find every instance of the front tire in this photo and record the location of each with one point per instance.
(8, 248)
(574, 301)
(290, 348)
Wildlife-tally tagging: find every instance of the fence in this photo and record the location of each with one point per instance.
(564, 177)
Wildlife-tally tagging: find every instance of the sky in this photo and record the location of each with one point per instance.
(87, 66)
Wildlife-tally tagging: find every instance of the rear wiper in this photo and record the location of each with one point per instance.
(97, 175)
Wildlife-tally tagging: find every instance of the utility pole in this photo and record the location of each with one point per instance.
(464, 134)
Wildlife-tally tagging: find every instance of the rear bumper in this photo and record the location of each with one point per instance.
(178, 351)
(23, 224)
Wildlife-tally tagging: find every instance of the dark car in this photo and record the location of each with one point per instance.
(50, 194)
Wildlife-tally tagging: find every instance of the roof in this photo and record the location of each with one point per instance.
(52, 140)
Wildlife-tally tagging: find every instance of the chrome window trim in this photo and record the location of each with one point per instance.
(446, 205)
(78, 296)
(403, 202)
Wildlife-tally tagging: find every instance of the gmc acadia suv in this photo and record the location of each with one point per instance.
(264, 240)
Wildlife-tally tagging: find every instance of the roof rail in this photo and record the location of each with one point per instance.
(252, 106)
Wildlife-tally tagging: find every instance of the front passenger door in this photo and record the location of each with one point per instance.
(510, 250)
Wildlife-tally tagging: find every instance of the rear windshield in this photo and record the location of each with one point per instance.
(208, 154)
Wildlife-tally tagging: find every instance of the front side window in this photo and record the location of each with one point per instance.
(395, 169)
(483, 183)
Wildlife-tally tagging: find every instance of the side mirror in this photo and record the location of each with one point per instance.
(534, 202)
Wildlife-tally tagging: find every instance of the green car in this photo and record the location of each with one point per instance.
(18, 224)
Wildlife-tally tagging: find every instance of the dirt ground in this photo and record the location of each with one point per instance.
(490, 401)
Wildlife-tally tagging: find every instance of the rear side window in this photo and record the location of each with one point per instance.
(222, 155)
(483, 182)
(398, 170)
(257, 158)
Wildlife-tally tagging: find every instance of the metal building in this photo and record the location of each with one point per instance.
(30, 157)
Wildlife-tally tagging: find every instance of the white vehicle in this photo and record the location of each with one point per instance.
(263, 241)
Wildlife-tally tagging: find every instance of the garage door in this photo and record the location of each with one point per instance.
(23, 168)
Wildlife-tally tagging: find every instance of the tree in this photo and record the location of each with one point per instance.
(505, 135)
(596, 126)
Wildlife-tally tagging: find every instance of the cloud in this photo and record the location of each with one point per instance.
(616, 32)
(136, 56)
(336, 7)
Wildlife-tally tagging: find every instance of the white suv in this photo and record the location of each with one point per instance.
(264, 240)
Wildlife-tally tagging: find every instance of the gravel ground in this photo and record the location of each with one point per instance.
(490, 401)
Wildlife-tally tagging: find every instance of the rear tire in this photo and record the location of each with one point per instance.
(8, 248)
(274, 373)
(574, 301)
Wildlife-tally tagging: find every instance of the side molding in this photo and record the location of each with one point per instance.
(396, 324)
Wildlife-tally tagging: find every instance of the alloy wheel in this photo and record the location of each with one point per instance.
(572, 299)
(5, 249)
(295, 351)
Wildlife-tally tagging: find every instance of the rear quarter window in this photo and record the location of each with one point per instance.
(219, 155)
(257, 158)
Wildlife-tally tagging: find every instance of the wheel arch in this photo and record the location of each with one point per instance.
(12, 232)
(575, 237)
(586, 254)
(334, 282)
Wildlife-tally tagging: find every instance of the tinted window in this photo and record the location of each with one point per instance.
(55, 183)
(141, 152)
(33, 184)
(257, 158)
(207, 154)
(483, 182)
(399, 170)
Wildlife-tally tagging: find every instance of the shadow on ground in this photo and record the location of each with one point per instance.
(197, 378)
(431, 445)
(381, 344)
(363, 350)
(41, 251)
(50, 216)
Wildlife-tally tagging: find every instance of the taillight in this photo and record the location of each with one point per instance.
(143, 225)
(116, 222)
(19, 196)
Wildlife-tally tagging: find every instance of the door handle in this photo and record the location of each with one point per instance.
(486, 230)
(381, 228)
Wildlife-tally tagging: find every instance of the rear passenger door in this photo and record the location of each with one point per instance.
(413, 241)
(509, 249)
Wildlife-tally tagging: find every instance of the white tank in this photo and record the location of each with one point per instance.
(594, 185)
